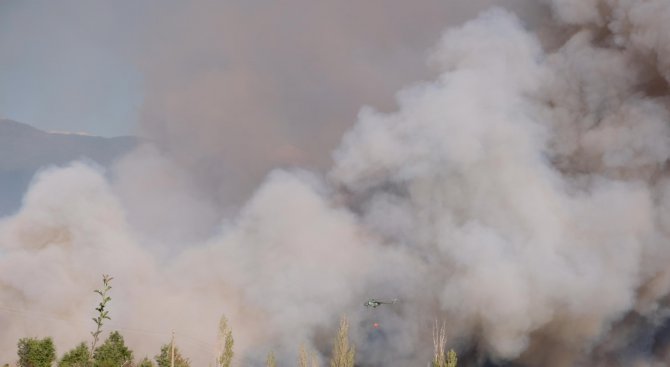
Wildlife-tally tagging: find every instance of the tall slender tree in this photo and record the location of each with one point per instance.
(163, 359)
(440, 358)
(226, 342)
(343, 352)
(103, 314)
(271, 360)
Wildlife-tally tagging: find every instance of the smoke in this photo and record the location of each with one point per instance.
(522, 196)
(237, 88)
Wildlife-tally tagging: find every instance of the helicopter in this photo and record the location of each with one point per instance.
(374, 303)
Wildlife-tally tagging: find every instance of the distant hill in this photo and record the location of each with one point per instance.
(25, 149)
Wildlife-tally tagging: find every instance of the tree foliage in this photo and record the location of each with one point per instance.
(36, 353)
(271, 360)
(80, 356)
(343, 352)
(440, 358)
(163, 359)
(113, 352)
(102, 313)
(146, 362)
(452, 359)
(304, 358)
(225, 358)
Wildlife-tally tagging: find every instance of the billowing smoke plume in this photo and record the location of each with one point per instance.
(522, 196)
(238, 88)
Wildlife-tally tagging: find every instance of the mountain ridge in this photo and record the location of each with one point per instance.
(24, 150)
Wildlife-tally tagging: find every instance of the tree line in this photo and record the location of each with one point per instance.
(113, 352)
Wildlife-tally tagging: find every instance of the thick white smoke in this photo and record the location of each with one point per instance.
(523, 247)
(522, 196)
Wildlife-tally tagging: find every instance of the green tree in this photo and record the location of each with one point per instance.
(452, 358)
(225, 358)
(163, 359)
(146, 362)
(36, 353)
(113, 352)
(80, 356)
(343, 353)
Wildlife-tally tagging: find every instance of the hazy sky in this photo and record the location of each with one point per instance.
(81, 65)
(63, 67)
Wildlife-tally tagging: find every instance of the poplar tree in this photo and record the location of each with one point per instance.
(343, 353)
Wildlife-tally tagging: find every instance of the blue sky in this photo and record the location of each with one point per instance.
(297, 70)
(63, 68)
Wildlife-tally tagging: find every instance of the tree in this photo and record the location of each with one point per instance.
(146, 362)
(163, 359)
(80, 356)
(225, 358)
(440, 358)
(36, 353)
(315, 360)
(452, 359)
(113, 352)
(102, 313)
(343, 353)
(304, 358)
(271, 361)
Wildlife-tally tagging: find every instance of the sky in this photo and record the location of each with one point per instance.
(108, 68)
(64, 70)
(227, 89)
